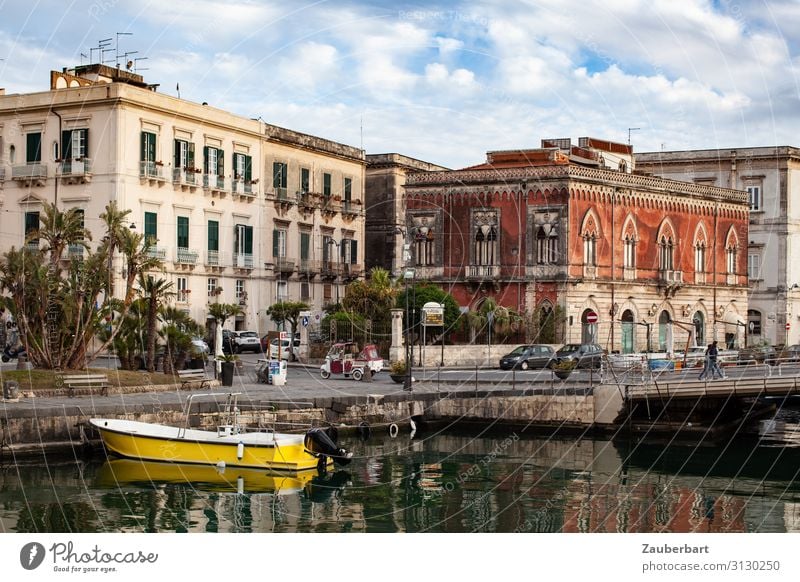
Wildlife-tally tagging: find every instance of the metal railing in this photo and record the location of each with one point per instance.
(243, 260)
(151, 170)
(213, 182)
(184, 177)
(32, 171)
(78, 167)
(186, 256)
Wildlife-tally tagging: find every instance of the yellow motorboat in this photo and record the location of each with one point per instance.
(123, 472)
(229, 446)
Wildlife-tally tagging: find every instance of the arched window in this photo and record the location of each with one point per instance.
(628, 335)
(753, 322)
(666, 248)
(699, 321)
(589, 235)
(665, 331)
(541, 246)
(731, 249)
(629, 246)
(484, 250)
(700, 257)
(12, 155)
(589, 333)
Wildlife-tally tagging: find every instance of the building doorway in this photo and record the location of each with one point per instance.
(589, 333)
(628, 343)
(664, 331)
(699, 321)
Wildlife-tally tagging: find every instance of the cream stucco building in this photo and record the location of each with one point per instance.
(239, 210)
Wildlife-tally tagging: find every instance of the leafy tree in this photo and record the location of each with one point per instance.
(373, 298)
(422, 293)
(284, 311)
(59, 305)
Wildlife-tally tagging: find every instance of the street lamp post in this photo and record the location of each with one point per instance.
(408, 273)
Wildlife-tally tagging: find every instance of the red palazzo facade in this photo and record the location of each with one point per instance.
(629, 261)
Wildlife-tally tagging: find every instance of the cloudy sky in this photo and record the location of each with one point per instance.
(447, 81)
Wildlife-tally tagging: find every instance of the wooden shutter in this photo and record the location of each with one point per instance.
(353, 252)
(190, 161)
(276, 241)
(221, 163)
(183, 232)
(177, 155)
(305, 241)
(33, 149)
(66, 145)
(248, 168)
(213, 235)
(248, 240)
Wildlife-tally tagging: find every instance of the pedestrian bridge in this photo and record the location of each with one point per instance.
(683, 389)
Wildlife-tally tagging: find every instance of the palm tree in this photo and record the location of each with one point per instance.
(114, 219)
(59, 230)
(153, 291)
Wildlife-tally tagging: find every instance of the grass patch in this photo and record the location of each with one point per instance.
(46, 379)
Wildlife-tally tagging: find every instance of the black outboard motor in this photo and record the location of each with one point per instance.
(318, 442)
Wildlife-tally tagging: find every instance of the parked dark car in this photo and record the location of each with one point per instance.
(758, 355)
(586, 355)
(528, 356)
(789, 354)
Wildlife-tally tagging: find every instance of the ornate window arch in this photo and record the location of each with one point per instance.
(666, 246)
(630, 236)
(731, 250)
(485, 245)
(700, 244)
(590, 233)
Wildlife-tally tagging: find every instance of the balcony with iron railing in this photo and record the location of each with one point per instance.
(308, 268)
(329, 269)
(153, 171)
(352, 270)
(2, 176)
(482, 272)
(214, 183)
(242, 188)
(32, 174)
(184, 177)
(213, 259)
(77, 171)
(284, 265)
(159, 253)
(350, 208)
(185, 256)
(243, 260)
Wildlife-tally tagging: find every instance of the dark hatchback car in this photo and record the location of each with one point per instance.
(530, 356)
(586, 355)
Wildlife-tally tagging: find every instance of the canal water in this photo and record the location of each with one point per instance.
(448, 482)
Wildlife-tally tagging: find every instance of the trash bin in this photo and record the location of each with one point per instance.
(277, 372)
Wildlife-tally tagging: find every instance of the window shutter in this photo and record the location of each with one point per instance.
(33, 151)
(85, 133)
(276, 175)
(183, 232)
(325, 249)
(348, 189)
(353, 252)
(221, 163)
(177, 154)
(342, 251)
(248, 240)
(213, 235)
(275, 242)
(66, 145)
(236, 228)
(142, 146)
(190, 162)
(326, 184)
(248, 168)
(205, 159)
(151, 227)
(305, 239)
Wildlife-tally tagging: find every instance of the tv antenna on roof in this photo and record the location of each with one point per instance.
(136, 68)
(116, 48)
(630, 129)
(101, 44)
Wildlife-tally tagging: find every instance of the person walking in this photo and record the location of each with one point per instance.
(706, 363)
(713, 360)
